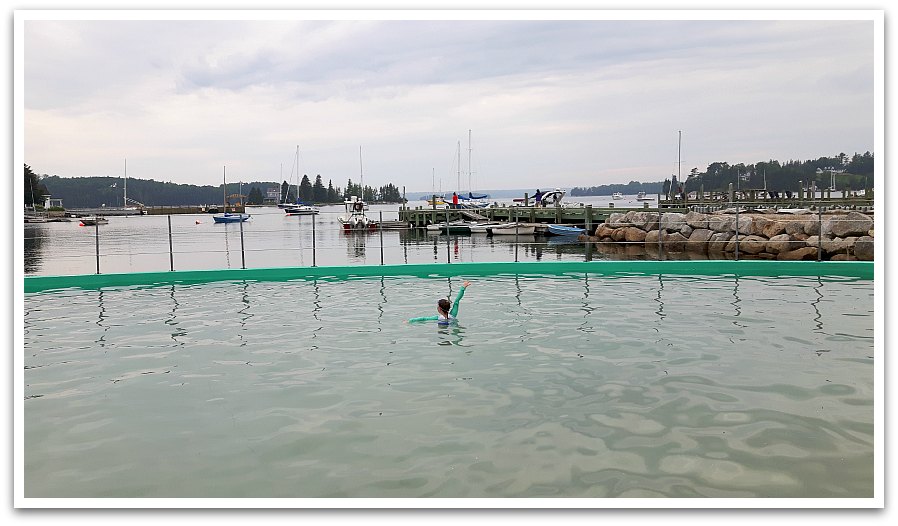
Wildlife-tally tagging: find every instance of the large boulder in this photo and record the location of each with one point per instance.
(720, 223)
(718, 241)
(645, 220)
(782, 243)
(752, 244)
(651, 239)
(633, 234)
(673, 221)
(675, 242)
(696, 220)
(744, 224)
(853, 224)
(838, 245)
(812, 228)
(758, 224)
(773, 228)
(686, 231)
(843, 257)
(619, 234)
(698, 240)
(614, 220)
(863, 248)
(603, 230)
(795, 227)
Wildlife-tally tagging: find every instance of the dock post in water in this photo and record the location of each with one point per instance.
(242, 253)
(171, 254)
(819, 232)
(737, 231)
(448, 250)
(97, 237)
(516, 235)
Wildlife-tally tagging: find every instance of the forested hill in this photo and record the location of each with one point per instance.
(854, 172)
(631, 188)
(78, 192)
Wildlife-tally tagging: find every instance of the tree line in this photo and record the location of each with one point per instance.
(92, 192)
(855, 173)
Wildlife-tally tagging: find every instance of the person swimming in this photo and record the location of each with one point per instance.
(446, 311)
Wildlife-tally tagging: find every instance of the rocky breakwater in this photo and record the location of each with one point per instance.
(837, 235)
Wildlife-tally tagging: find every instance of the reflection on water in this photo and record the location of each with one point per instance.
(36, 235)
(569, 386)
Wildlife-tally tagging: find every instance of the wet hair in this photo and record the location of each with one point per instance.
(444, 305)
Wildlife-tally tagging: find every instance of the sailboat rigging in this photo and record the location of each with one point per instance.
(228, 217)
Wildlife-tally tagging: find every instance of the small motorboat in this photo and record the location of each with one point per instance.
(93, 220)
(453, 227)
(301, 210)
(565, 230)
(511, 229)
(481, 228)
(228, 217)
(617, 195)
(642, 197)
(354, 219)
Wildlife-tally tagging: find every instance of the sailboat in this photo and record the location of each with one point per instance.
(228, 217)
(355, 219)
(297, 208)
(471, 200)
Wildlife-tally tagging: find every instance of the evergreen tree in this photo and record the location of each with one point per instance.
(254, 197)
(319, 192)
(34, 189)
(331, 192)
(305, 189)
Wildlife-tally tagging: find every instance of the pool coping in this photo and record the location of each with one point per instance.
(855, 269)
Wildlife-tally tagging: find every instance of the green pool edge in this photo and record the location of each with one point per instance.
(854, 269)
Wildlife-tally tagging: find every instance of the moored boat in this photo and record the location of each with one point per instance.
(617, 195)
(565, 230)
(354, 219)
(228, 217)
(511, 229)
(300, 209)
(642, 197)
(93, 220)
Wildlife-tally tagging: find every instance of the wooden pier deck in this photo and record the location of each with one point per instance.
(585, 216)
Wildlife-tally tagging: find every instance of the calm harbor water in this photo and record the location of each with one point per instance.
(273, 239)
(549, 386)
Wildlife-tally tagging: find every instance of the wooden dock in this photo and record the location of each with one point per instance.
(584, 216)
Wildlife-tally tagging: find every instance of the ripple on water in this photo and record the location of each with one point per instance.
(581, 386)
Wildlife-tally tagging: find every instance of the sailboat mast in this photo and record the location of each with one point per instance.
(361, 176)
(458, 175)
(673, 190)
(469, 161)
(125, 200)
(224, 187)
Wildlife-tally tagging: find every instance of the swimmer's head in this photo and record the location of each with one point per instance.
(443, 305)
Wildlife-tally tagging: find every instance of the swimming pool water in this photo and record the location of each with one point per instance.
(578, 385)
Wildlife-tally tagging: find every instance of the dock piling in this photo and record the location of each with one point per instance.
(171, 256)
(97, 237)
(242, 252)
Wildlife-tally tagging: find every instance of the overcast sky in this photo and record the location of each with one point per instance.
(548, 103)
